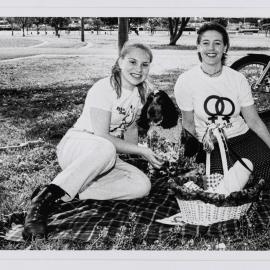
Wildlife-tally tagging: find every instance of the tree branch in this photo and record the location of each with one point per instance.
(29, 143)
(176, 26)
(170, 26)
(182, 27)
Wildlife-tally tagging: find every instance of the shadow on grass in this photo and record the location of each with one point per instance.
(49, 112)
(30, 103)
(45, 113)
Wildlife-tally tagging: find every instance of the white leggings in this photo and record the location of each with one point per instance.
(92, 169)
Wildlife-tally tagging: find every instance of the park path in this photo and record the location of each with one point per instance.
(163, 59)
(105, 46)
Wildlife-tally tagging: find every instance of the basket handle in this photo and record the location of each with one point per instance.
(239, 158)
(217, 133)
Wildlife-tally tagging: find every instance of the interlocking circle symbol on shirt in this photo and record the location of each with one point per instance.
(220, 104)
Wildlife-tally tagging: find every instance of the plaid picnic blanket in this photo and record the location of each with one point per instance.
(87, 220)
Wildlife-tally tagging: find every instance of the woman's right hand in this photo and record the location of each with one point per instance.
(153, 158)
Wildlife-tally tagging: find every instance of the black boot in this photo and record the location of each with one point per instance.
(35, 224)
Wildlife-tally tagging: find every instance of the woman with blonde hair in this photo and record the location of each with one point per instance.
(88, 151)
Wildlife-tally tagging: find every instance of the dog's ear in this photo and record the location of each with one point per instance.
(191, 144)
(169, 111)
(184, 136)
(142, 122)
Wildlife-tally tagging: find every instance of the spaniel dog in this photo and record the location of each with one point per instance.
(159, 122)
(159, 110)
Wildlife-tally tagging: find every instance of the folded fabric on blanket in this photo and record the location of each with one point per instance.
(87, 220)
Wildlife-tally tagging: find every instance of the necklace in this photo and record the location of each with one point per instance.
(212, 74)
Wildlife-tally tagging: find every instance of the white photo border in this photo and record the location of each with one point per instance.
(134, 259)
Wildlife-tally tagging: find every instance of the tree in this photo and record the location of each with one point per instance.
(176, 28)
(252, 20)
(58, 23)
(221, 21)
(265, 25)
(137, 21)
(111, 22)
(96, 22)
(46, 23)
(134, 24)
(37, 21)
(22, 22)
(153, 23)
(11, 21)
(82, 29)
(235, 20)
(122, 32)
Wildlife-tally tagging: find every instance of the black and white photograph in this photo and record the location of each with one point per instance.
(135, 133)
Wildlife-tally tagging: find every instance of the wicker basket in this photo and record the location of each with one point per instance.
(199, 207)
(205, 207)
(197, 212)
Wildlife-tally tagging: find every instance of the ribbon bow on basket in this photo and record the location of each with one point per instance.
(233, 179)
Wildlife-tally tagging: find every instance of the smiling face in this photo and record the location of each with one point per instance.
(211, 48)
(135, 67)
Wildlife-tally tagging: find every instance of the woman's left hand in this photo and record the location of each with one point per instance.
(153, 158)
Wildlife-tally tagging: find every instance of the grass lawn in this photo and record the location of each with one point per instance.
(41, 97)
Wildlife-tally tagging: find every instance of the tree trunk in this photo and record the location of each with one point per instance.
(23, 31)
(82, 29)
(175, 32)
(56, 30)
(122, 32)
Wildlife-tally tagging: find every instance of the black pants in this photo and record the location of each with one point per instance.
(249, 146)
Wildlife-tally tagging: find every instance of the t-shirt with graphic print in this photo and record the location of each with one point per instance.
(124, 110)
(214, 100)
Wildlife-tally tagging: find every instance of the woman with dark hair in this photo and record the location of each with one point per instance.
(222, 31)
(214, 96)
(88, 151)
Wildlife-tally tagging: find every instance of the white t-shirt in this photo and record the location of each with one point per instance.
(124, 110)
(214, 99)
